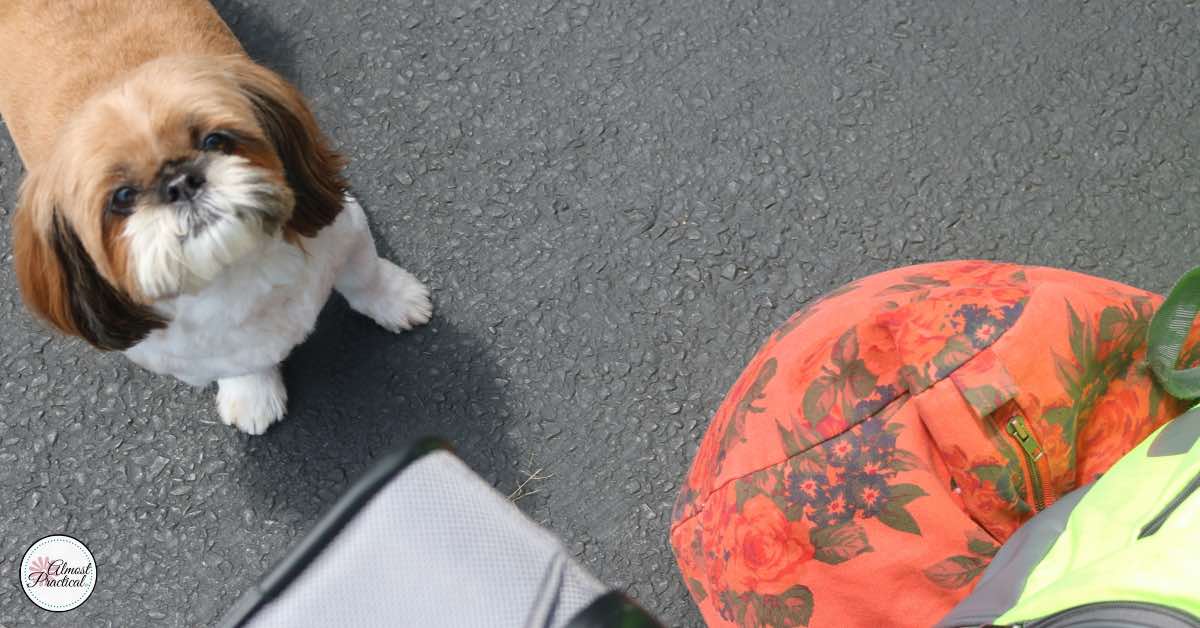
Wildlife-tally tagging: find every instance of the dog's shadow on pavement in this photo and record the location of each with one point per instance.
(357, 391)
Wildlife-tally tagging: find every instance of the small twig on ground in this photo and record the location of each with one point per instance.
(531, 476)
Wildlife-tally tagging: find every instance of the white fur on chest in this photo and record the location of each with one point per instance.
(251, 317)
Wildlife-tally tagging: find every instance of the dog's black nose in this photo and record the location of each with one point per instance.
(183, 185)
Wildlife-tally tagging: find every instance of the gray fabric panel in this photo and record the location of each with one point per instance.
(1178, 436)
(575, 594)
(1004, 579)
(436, 547)
(542, 609)
(1118, 615)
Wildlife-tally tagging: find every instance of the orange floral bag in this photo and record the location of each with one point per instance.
(888, 438)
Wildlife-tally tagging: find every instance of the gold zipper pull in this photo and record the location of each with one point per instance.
(1019, 430)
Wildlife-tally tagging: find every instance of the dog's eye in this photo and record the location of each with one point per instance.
(122, 200)
(214, 142)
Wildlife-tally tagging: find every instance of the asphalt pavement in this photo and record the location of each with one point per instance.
(614, 202)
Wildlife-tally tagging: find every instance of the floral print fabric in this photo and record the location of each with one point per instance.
(889, 437)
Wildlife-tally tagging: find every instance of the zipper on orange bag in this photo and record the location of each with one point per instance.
(1035, 461)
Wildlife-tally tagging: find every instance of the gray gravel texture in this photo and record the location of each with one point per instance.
(614, 203)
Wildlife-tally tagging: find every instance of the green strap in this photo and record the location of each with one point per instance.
(1169, 330)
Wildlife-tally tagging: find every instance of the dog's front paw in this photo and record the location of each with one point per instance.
(399, 301)
(252, 402)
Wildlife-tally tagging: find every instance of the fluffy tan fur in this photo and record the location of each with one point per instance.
(99, 94)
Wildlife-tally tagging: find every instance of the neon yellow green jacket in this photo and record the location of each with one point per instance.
(1122, 551)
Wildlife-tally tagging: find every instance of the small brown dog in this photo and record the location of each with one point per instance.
(181, 204)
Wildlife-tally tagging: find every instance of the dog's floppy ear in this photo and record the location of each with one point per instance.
(312, 168)
(59, 281)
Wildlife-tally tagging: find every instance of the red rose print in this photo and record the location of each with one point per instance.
(767, 552)
(860, 473)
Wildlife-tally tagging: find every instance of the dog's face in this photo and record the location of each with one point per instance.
(177, 183)
(162, 183)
